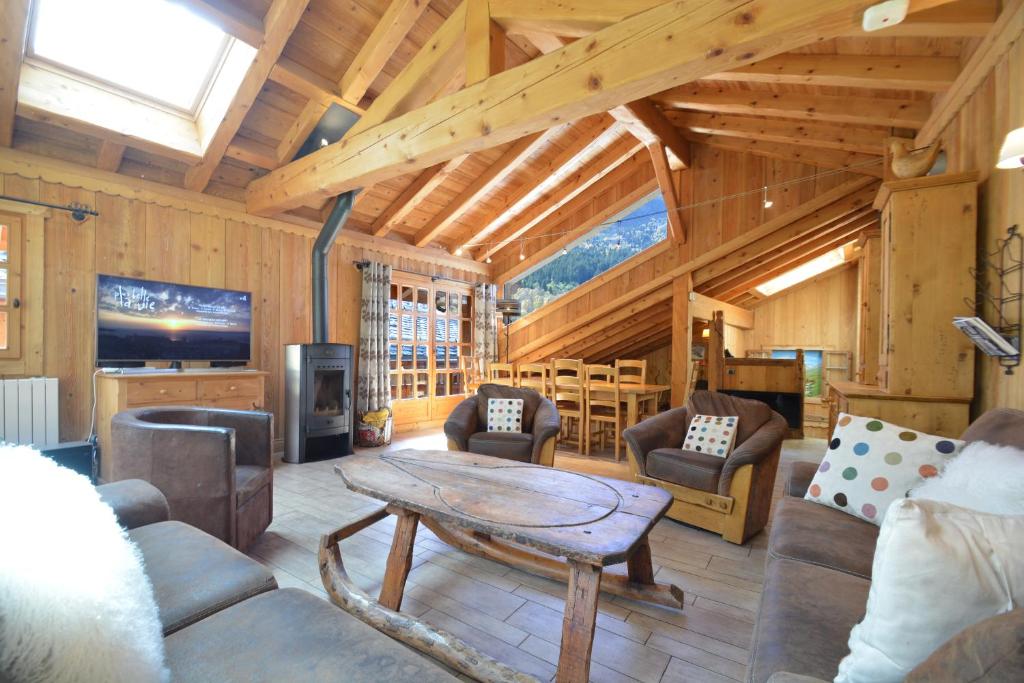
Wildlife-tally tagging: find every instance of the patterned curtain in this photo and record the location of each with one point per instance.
(485, 326)
(374, 392)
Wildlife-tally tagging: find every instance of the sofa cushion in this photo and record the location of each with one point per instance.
(991, 650)
(808, 532)
(194, 574)
(135, 502)
(248, 480)
(292, 635)
(686, 468)
(805, 619)
(531, 400)
(509, 445)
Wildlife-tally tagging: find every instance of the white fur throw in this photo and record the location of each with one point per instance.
(75, 604)
(983, 477)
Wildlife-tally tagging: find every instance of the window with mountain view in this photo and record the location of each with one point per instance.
(636, 229)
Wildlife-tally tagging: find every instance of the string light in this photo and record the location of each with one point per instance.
(664, 212)
(489, 260)
(565, 252)
(458, 251)
(522, 250)
(324, 142)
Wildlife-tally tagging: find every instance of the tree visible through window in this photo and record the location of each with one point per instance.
(640, 227)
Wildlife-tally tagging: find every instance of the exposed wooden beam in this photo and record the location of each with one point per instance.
(1004, 33)
(300, 129)
(549, 202)
(281, 19)
(428, 72)
(865, 164)
(508, 162)
(932, 74)
(13, 34)
(704, 307)
(485, 43)
(632, 59)
(109, 156)
(667, 184)
(228, 17)
(248, 151)
(873, 111)
(646, 122)
(385, 38)
(577, 18)
(420, 188)
(847, 138)
(297, 78)
(964, 19)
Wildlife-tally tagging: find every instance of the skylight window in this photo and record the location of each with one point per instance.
(153, 48)
(826, 261)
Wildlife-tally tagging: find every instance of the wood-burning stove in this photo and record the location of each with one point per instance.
(318, 401)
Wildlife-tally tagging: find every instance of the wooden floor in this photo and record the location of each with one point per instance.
(517, 617)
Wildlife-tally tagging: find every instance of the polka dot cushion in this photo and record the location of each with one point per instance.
(504, 414)
(711, 435)
(871, 463)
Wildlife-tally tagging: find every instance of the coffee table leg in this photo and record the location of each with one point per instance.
(639, 566)
(578, 623)
(399, 560)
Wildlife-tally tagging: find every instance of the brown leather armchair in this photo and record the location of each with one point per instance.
(214, 466)
(731, 496)
(466, 427)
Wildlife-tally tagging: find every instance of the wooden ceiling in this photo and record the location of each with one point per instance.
(830, 104)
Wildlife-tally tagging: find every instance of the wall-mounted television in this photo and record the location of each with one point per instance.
(145, 320)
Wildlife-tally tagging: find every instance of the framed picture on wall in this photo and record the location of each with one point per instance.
(698, 352)
(813, 380)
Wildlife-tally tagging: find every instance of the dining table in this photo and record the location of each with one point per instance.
(633, 395)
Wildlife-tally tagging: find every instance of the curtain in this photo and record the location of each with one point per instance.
(485, 326)
(374, 392)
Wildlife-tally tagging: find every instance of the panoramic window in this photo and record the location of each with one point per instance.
(154, 48)
(636, 229)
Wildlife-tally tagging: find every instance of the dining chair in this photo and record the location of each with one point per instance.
(534, 376)
(567, 393)
(603, 405)
(635, 372)
(501, 373)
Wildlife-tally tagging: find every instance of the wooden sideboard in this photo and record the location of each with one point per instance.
(236, 389)
(940, 415)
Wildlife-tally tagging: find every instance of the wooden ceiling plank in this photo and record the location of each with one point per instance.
(646, 122)
(387, 35)
(109, 156)
(228, 17)
(297, 78)
(619, 64)
(300, 129)
(495, 174)
(847, 138)
(863, 164)
(485, 43)
(875, 111)
(14, 15)
(279, 23)
(674, 211)
(543, 206)
(1004, 33)
(420, 188)
(932, 74)
(254, 153)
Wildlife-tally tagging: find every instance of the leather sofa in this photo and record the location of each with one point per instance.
(225, 619)
(817, 577)
(214, 466)
(466, 427)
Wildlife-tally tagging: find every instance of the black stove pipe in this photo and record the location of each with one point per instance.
(321, 248)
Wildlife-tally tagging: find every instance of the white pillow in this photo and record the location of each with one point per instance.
(75, 604)
(984, 477)
(504, 414)
(938, 569)
(711, 434)
(870, 463)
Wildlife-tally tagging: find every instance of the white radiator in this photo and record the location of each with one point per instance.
(28, 410)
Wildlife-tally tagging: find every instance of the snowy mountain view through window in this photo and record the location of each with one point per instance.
(642, 226)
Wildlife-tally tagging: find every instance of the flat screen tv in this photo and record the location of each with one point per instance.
(145, 320)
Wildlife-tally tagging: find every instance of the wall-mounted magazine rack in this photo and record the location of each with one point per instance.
(1000, 282)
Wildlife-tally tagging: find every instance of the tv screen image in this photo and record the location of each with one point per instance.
(145, 320)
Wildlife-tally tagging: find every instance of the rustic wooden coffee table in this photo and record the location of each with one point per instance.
(505, 511)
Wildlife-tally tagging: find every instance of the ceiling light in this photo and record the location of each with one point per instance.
(324, 142)
(565, 252)
(522, 257)
(827, 261)
(458, 251)
(522, 251)
(488, 259)
(706, 332)
(767, 202)
(1011, 154)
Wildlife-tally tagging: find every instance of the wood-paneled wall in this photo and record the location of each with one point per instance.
(972, 142)
(155, 239)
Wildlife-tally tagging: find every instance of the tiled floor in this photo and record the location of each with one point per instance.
(516, 617)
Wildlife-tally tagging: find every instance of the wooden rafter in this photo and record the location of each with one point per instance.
(385, 38)
(667, 184)
(618, 64)
(967, 18)
(495, 174)
(228, 17)
(932, 74)
(485, 43)
(109, 156)
(297, 133)
(251, 152)
(573, 19)
(420, 188)
(865, 164)
(281, 19)
(13, 31)
(646, 122)
(847, 138)
(874, 111)
(313, 86)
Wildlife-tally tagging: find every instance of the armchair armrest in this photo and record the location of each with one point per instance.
(254, 434)
(761, 444)
(135, 502)
(462, 423)
(664, 430)
(800, 476)
(546, 425)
